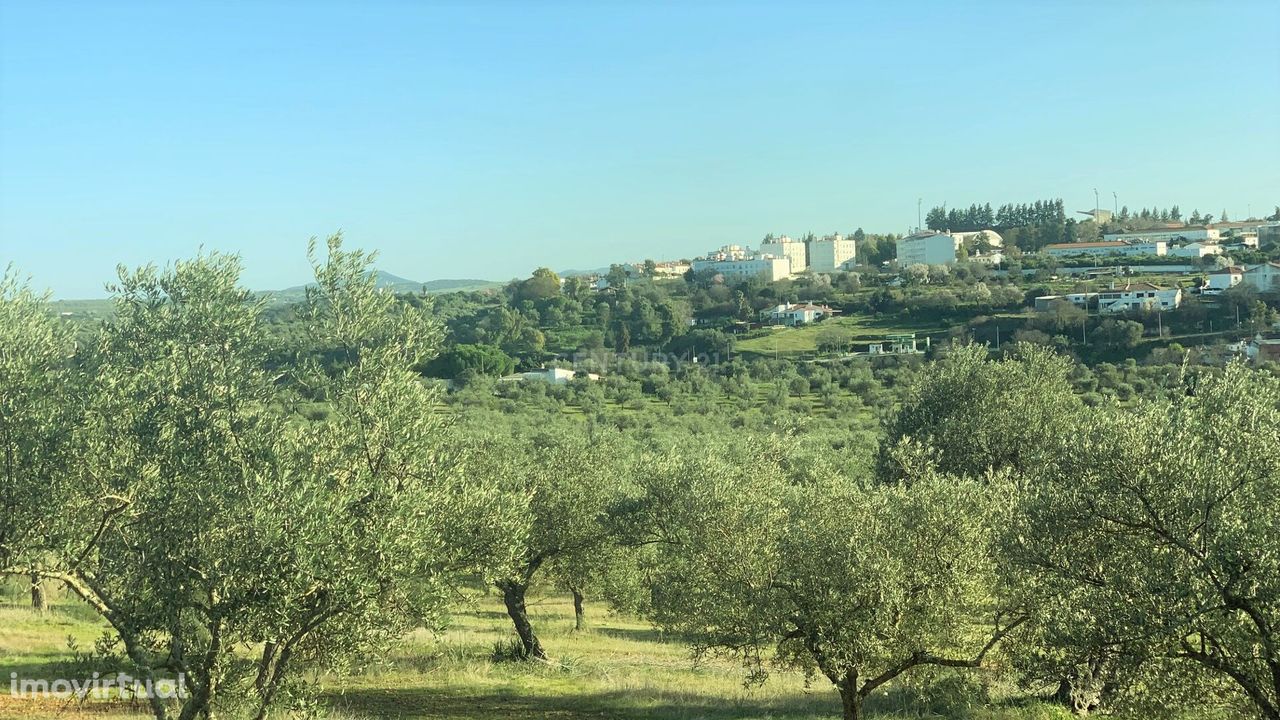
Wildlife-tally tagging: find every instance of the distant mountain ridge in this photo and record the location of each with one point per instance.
(395, 283)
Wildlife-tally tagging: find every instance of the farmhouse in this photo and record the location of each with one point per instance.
(795, 314)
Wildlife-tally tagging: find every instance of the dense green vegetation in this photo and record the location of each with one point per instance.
(269, 499)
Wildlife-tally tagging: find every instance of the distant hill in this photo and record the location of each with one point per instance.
(572, 273)
(395, 283)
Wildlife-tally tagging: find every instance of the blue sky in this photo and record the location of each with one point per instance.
(486, 139)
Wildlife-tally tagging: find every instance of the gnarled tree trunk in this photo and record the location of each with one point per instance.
(579, 614)
(39, 601)
(513, 597)
(850, 698)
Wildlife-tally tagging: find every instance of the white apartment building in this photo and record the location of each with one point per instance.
(1263, 278)
(770, 268)
(938, 248)
(1165, 235)
(928, 248)
(1109, 247)
(832, 253)
(785, 247)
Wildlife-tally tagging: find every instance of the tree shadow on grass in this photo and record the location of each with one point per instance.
(624, 705)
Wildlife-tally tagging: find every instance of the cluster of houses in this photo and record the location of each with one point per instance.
(779, 258)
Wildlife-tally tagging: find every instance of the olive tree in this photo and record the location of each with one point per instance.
(207, 522)
(858, 583)
(38, 398)
(1156, 537)
(572, 482)
(976, 413)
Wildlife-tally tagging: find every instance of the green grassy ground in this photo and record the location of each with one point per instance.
(617, 668)
(791, 341)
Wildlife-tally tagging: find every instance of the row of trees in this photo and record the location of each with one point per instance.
(165, 474)
(982, 217)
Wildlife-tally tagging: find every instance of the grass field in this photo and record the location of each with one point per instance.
(791, 341)
(617, 668)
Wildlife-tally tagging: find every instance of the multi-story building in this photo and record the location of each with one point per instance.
(768, 267)
(939, 248)
(1165, 235)
(832, 253)
(785, 247)
(1109, 247)
(926, 248)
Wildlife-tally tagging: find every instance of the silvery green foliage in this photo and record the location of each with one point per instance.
(39, 392)
(1154, 542)
(213, 523)
(860, 583)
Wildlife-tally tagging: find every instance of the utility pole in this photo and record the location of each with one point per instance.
(919, 201)
(1116, 200)
(997, 338)
(1095, 204)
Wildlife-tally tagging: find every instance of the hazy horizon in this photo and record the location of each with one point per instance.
(487, 140)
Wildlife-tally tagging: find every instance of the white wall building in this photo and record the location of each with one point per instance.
(1165, 234)
(832, 253)
(785, 247)
(770, 268)
(938, 248)
(795, 314)
(1109, 247)
(1138, 296)
(1223, 279)
(1196, 250)
(1263, 278)
(928, 248)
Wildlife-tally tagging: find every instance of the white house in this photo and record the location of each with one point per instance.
(1195, 250)
(1108, 247)
(1138, 296)
(795, 314)
(1164, 235)
(1223, 279)
(735, 270)
(1081, 300)
(1264, 277)
(832, 253)
(785, 247)
(555, 375)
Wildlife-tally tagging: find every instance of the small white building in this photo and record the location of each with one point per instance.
(1217, 281)
(795, 313)
(1138, 296)
(1263, 278)
(555, 375)
(785, 247)
(1165, 235)
(832, 253)
(1195, 250)
(1103, 248)
(768, 267)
